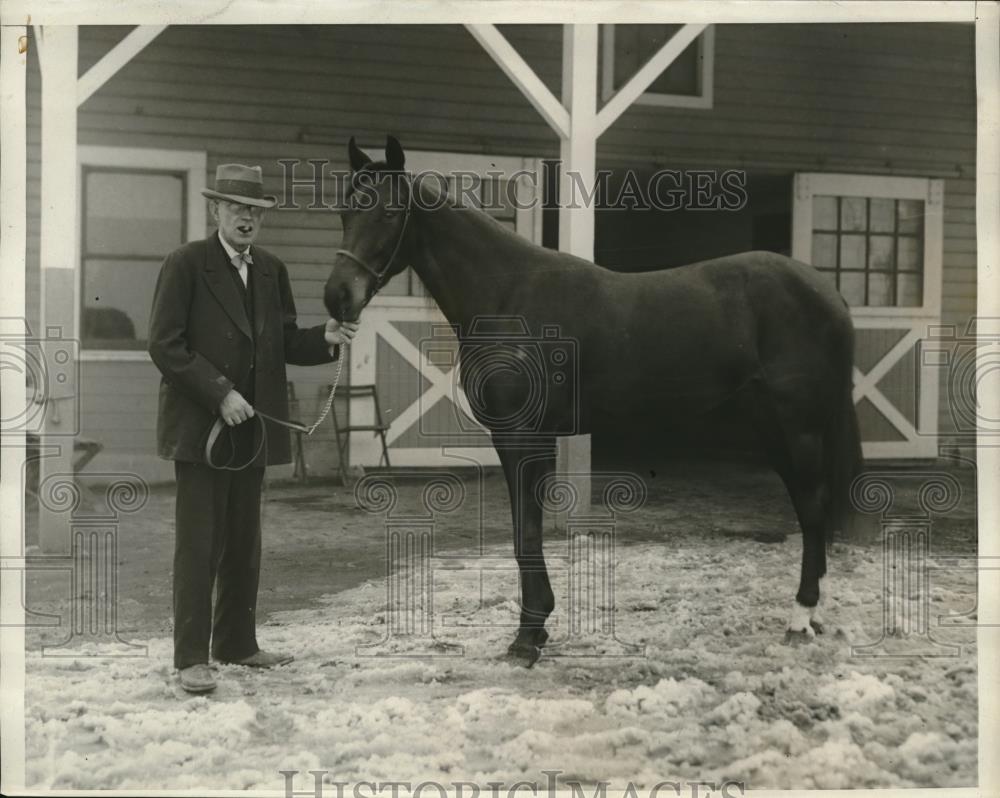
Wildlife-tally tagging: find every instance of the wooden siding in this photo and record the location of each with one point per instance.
(882, 99)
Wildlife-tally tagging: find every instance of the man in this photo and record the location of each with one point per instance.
(222, 328)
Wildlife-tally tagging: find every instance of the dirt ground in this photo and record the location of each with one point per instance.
(705, 573)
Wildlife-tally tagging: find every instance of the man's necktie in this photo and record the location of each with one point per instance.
(240, 262)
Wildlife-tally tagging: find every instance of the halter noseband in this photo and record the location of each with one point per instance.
(380, 274)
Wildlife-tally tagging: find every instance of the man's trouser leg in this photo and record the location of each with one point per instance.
(217, 539)
(234, 631)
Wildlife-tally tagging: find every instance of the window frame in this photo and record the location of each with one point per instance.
(930, 191)
(192, 163)
(706, 76)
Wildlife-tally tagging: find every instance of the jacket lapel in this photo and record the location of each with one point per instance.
(263, 285)
(222, 286)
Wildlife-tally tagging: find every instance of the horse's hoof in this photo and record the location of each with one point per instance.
(797, 637)
(523, 654)
(541, 638)
(817, 625)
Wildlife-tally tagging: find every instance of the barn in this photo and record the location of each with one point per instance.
(855, 145)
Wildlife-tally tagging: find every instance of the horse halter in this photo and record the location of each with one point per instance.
(380, 274)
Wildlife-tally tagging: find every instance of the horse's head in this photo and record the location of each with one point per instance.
(375, 216)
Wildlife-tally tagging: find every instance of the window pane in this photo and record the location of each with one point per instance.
(117, 296)
(911, 216)
(636, 44)
(491, 195)
(830, 277)
(909, 291)
(418, 288)
(466, 192)
(852, 252)
(852, 213)
(824, 254)
(398, 285)
(824, 213)
(880, 253)
(909, 254)
(852, 288)
(132, 213)
(883, 214)
(879, 289)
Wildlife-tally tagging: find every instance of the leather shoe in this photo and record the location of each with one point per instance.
(197, 679)
(264, 659)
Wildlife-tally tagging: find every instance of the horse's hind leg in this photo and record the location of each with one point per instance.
(796, 453)
(808, 491)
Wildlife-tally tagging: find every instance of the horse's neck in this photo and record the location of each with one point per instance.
(468, 263)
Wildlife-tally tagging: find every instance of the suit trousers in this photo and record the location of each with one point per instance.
(217, 547)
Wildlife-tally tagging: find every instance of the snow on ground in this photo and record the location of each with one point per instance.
(717, 695)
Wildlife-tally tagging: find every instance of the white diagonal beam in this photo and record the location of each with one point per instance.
(115, 59)
(862, 382)
(523, 76)
(442, 385)
(650, 71)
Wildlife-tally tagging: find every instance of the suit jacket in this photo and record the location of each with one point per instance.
(200, 340)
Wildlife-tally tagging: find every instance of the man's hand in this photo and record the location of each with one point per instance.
(340, 333)
(235, 409)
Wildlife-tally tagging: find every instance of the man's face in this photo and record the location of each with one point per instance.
(239, 224)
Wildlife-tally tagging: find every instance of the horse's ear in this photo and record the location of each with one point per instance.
(394, 157)
(358, 159)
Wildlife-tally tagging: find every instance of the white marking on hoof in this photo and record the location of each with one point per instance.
(799, 620)
(814, 612)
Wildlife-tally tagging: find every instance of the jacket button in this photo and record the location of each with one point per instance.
(229, 334)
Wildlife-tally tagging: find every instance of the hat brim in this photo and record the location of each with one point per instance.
(259, 202)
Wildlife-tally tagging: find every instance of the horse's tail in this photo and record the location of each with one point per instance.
(844, 462)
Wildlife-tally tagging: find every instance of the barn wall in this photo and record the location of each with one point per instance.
(883, 99)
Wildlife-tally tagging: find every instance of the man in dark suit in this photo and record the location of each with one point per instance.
(222, 329)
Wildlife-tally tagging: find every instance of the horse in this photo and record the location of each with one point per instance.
(759, 332)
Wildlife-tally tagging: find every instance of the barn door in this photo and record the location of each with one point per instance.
(405, 346)
(879, 239)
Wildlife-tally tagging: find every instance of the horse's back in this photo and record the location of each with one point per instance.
(738, 317)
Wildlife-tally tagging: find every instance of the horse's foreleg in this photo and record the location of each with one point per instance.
(525, 469)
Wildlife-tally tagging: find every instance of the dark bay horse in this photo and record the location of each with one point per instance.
(759, 332)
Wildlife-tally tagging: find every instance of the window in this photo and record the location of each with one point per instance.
(135, 207)
(686, 83)
(878, 239)
(872, 247)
